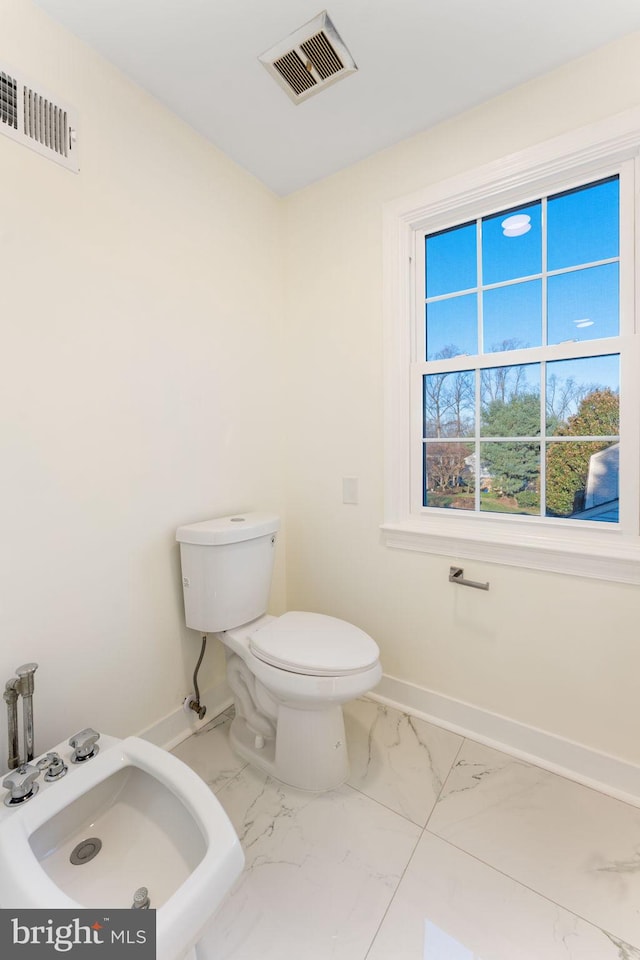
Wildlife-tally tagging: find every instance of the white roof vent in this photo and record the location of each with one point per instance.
(37, 121)
(312, 58)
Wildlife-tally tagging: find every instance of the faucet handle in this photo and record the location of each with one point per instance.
(84, 745)
(21, 784)
(53, 765)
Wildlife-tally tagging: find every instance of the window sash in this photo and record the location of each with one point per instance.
(624, 344)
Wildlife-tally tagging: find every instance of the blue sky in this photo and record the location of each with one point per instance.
(582, 228)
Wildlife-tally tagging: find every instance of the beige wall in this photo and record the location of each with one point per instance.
(556, 652)
(140, 321)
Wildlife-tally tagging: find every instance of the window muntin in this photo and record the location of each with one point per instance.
(488, 429)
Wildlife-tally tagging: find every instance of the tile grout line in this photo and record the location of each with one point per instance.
(490, 866)
(384, 806)
(531, 761)
(393, 895)
(445, 781)
(525, 886)
(413, 852)
(400, 813)
(425, 829)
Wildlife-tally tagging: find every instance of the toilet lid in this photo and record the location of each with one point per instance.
(314, 644)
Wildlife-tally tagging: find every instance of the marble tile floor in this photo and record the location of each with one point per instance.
(437, 848)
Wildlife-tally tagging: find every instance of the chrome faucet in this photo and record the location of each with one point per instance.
(20, 686)
(10, 697)
(25, 684)
(53, 766)
(21, 784)
(84, 745)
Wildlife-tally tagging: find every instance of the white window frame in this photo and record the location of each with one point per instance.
(586, 548)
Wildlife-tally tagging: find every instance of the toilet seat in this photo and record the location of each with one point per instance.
(314, 644)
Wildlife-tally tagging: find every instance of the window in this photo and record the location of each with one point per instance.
(541, 282)
(512, 400)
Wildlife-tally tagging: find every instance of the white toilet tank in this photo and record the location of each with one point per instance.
(227, 564)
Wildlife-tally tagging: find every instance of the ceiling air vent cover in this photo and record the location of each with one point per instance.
(36, 120)
(312, 58)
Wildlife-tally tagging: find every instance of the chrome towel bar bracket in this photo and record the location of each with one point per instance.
(456, 575)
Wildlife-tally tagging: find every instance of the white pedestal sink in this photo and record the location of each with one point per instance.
(159, 827)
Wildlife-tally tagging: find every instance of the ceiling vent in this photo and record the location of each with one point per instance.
(37, 121)
(312, 58)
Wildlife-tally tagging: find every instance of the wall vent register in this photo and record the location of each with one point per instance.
(37, 121)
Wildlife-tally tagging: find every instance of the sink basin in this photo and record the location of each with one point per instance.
(135, 816)
(148, 839)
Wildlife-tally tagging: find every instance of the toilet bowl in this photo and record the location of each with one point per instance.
(289, 675)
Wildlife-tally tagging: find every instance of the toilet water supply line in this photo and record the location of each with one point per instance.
(193, 703)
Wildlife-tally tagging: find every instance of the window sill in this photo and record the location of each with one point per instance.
(581, 553)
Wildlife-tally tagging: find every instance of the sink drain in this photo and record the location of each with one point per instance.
(86, 850)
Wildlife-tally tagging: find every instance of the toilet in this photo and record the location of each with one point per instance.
(289, 675)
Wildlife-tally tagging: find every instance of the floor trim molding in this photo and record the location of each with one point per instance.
(178, 725)
(611, 775)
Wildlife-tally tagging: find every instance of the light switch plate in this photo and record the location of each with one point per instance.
(349, 489)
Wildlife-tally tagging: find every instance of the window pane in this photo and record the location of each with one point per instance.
(510, 477)
(448, 475)
(449, 404)
(452, 327)
(582, 397)
(451, 260)
(527, 278)
(583, 225)
(512, 244)
(583, 304)
(582, 480)
(512, 316)
(510, 401)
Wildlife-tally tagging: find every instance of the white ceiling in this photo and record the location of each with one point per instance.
(419, 62)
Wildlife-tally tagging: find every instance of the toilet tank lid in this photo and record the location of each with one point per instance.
(231, 529)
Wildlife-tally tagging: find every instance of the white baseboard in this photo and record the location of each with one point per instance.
(610, 775)
(178, 725)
